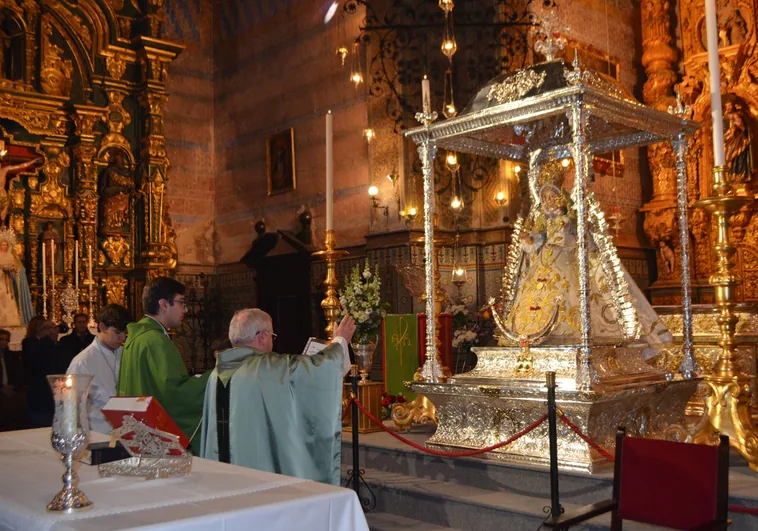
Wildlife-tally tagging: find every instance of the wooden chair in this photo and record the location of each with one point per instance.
(663, 483)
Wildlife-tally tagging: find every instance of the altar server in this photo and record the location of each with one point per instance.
(151, 365)
(276, 412)
(101, 359)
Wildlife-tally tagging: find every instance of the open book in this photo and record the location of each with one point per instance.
(314, 346)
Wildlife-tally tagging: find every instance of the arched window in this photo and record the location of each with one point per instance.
(13, 47)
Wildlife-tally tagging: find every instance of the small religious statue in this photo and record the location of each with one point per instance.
(667, 258)
(737, 142)
(4, 171)
(51, 246)
(544, 301)
(116, 190)
(15, 299)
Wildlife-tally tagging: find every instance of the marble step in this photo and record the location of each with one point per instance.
(451, 505)
(381, 452)
(392, 522)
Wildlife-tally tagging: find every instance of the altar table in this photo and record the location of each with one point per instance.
(214, 496)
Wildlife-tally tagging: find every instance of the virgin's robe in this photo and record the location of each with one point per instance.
(152, 366)
(284, 411)
(15, 299)
(550, 278)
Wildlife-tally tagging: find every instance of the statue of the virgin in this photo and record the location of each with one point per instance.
(541, 286)
(15, 299)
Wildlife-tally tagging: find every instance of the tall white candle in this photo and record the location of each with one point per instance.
(160, 216)
(714, 69)
(44, 271)
(68, 422)
(89, 265)
(329, 173)
(76, 264)
(52, 278)
(426, 95)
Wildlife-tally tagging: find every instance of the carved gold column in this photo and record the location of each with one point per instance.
(52, 202)
(159, 253)
(659, 59)
(728, 404)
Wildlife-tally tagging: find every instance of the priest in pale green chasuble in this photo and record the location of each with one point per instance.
(276, 412)
(151, 365)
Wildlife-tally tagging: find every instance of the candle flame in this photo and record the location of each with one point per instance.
(69, 382)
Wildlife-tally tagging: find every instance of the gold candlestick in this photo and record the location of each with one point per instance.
(728, 404)
(331, 303)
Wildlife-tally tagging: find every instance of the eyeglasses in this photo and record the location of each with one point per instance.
(180, 301)
(273, 335)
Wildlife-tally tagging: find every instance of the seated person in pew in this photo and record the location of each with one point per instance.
(276, 412)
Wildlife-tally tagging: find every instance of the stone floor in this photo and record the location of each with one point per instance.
(420, 492)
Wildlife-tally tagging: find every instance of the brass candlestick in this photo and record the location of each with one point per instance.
(728, 404)
(331, 303)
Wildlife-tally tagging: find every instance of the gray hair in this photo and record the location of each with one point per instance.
(246, 324)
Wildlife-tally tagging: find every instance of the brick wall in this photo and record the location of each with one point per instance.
(189, 128)
(276, 69)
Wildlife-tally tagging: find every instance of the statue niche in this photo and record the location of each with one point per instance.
(737, 142)
(116, 187)
(13, 51)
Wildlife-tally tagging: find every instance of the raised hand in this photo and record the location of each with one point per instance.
(345, 329)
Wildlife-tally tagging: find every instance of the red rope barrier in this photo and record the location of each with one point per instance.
(439, 453)
(586, 439)
(744, 510)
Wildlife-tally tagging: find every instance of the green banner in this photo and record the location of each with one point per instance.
(400, 345)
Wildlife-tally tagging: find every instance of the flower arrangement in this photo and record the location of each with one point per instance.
(470, 330)
(360, 299)
(387, 402)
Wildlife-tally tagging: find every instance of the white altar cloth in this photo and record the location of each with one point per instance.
(214, 496)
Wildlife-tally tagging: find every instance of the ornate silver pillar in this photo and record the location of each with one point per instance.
(577, 120)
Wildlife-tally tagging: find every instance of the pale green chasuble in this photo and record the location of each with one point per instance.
(284, 412)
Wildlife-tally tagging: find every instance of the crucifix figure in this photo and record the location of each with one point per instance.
(4, 171)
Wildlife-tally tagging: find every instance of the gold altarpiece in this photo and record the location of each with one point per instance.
(83, 85)
(739, 74)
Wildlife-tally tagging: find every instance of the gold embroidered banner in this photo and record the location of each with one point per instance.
(400, 352)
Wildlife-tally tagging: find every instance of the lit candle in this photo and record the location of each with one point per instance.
(426, 95)
(76, 264)
(89, 268)
(329, 173)
(714, 69)
(68, 422)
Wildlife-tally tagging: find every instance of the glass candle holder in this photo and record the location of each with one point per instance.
(69, 436)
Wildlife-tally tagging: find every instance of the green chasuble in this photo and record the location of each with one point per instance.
(284, 414)
(152, 366)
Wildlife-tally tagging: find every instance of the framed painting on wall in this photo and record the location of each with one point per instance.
(280, 162)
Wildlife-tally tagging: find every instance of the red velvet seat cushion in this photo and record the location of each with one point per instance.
(668, 483)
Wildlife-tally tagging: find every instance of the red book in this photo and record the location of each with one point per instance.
(147, 410)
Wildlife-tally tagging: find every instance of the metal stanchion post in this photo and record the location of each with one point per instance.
(552, 420)
(356, 456)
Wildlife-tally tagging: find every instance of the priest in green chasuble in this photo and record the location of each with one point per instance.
(151, 365)
(276, 412)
